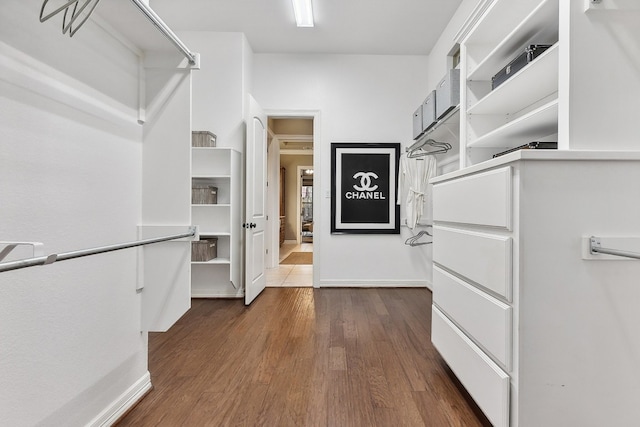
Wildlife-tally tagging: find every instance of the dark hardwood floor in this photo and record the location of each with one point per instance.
(303, 357)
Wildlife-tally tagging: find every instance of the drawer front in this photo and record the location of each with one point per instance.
(483, 379)
(482, 258)
(482, 199)
(484, 318)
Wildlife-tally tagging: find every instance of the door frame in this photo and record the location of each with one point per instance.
(273, 201)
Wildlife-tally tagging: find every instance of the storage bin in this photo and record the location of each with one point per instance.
(204, 195)
(203, 139)
(448, 93)
(429, 111)
(204, 249)
(417, 122)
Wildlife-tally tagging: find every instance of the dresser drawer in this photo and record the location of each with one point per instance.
(484, 318)
(482, 258)
(483, 379)
(482, 199)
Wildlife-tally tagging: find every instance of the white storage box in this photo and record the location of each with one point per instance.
(448, 93)
(203, 139)
(429, 111)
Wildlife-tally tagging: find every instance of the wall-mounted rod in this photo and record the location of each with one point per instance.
(49, 259)
(595, 248)
(165, 30)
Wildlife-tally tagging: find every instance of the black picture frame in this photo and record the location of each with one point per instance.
(364, 188)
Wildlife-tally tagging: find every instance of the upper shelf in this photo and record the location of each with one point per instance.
(445, 129)
(538, 27)
(534, 82)
(128, 20)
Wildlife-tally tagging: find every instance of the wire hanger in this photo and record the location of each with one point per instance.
(76, 13)
(427, 147)
(62, 7)
(414, 240)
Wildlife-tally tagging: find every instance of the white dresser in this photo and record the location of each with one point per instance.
(538, 335)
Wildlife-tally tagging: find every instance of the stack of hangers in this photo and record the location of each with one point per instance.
(415, 240)
(427, 147)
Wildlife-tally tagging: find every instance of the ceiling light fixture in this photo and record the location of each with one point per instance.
(304, 12)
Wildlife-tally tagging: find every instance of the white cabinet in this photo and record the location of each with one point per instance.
(521, 305)
(220, 168)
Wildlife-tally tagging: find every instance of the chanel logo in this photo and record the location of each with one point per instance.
(365, 181)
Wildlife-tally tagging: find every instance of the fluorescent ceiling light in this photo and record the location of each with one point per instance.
(303, 12)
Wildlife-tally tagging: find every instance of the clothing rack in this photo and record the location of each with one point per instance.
(427, 147)
(595, 248)
(50, 259)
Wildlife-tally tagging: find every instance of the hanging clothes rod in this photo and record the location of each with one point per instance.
(50, 259)
(595, 248)
(165, 30)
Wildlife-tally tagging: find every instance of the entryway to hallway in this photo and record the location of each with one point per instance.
(291, 165)
(295, 268)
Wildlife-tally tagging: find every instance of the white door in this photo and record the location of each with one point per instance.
(255, 202)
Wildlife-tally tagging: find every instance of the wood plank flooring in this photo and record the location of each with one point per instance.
(304, 357)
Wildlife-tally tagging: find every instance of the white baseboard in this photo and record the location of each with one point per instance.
(121, 405)
(375, 284)
(218, 294)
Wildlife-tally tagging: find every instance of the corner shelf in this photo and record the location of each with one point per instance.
(221, 276)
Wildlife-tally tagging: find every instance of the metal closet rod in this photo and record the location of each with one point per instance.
(597, 249)
(49, 259)
(165, 30)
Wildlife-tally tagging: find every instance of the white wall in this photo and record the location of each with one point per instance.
(438, 62)
(360, 98)
(600, 77)
(221, 85)
(70, 176)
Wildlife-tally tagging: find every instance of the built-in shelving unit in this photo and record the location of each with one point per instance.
(525, 107)
(220, 168)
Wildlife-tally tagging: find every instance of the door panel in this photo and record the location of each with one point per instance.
(255, 198)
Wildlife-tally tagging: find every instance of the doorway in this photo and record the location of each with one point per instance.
(293, 139)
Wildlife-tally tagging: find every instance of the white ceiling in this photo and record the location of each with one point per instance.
(394, 27)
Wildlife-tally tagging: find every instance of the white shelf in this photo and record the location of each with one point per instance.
(533, 126)
(215, 261)
(217, 205)
(204, 176)
(444, 129)
(210, 233)
(539, 27)
(534, 82)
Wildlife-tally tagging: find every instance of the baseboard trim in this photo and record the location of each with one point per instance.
(375, 284)
(216, 295)
(124, 403)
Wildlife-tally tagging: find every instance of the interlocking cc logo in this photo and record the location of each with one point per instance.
(365, 181)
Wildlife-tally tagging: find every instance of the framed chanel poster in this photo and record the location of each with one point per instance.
(364, 187)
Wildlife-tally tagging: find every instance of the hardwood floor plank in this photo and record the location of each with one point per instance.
(303, 357)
